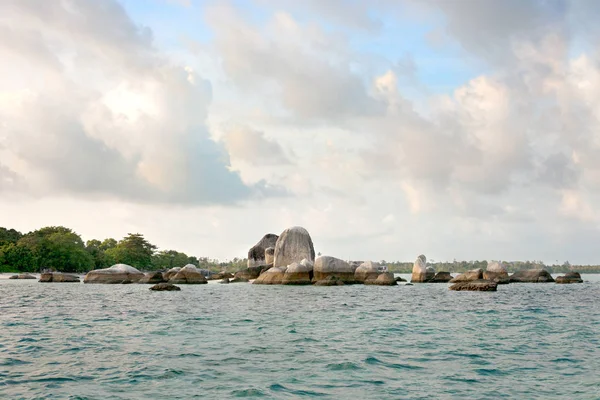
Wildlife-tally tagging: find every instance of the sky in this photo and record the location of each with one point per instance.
(464, 130)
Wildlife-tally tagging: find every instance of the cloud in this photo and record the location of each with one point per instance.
(253, 147)
(98, 111)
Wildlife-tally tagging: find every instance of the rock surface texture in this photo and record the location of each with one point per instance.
(118, 273)
(420, 273)
(298, 273)
(330, 281)
(368, 270)
(293, 245)
(164, 286)
(272, 276)
(472, 275)
(188, 275)
(384, 279)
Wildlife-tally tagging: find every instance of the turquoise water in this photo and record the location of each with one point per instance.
(526, 341)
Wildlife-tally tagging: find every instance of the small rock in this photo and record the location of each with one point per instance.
(58, 277)
(22, 276)
(164, 286)
(570, 277)
(477, 286)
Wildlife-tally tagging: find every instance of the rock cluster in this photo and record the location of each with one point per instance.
(570, 277)
(531, 276)
(326, 266)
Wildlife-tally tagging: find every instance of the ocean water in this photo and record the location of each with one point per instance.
(76, 341)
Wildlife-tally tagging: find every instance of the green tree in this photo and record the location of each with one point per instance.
(94, 248)
(16, 257)
(133, 250)
(108, 244)
(9, 236)
(169, 259)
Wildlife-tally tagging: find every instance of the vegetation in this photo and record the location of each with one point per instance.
(59, 248)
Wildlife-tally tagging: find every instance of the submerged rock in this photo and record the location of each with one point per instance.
(326, 266)
(58, 277)
(298, 274)
(472, 275)
(188, 275)
(570, 277)
(272, 276)
(294, 245)
(118, 273)
(152, 278)
(257, 253)
(22, 276)
(330, 281)
(441, 277)
(384, 279)
(164, 286)
(368, 270)
(420, 272)
(477, 286)
(531, 276)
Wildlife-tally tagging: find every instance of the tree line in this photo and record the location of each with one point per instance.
(61, 249)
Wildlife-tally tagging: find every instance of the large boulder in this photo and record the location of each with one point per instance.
(420, 273)
(153, 278)
(570, 277)
(330, 266)
(298, 273)
(472, 275)
(294, 245)
(477, 286)
(368, 270)
(251, 273)
(58, 277)
(256, 254)
(272, 276)
(441, 277)
(118, 273)
(189, 275)
(384, 279)
(164, 286)
(496, 272)
(531, 276)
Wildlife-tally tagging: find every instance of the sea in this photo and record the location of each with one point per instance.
(217, 341)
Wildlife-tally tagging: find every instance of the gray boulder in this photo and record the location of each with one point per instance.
(326, 266)
(118, 273)
(294, 245)
(368, 270)
(420, 272)
(256, 254)
(472, 275)
(152, 278)
(298, 274)
(272, 276)
(570, 277)
(531, 276)
(441, 277)
(384, 279)
(188, 275)
(251, 273)
(496, 272)
(269, 255)
(58, 277)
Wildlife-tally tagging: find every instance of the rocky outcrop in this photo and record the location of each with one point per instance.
(477, 286)
(256, 254)
(420, 273)
(496, 272)
(441, 277)
(58, 277)
(164, 286)
(272, 276)
(531, 276)
(188, 275)
(298, 273)
(293, 245)
(118, 273)
(368, 270)
(330, 281)
(570, 277)
(152, 278)
(326, 266)
(269, 255)
(469, 276)
(384, 279)
(22, 276)
(251, 273)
